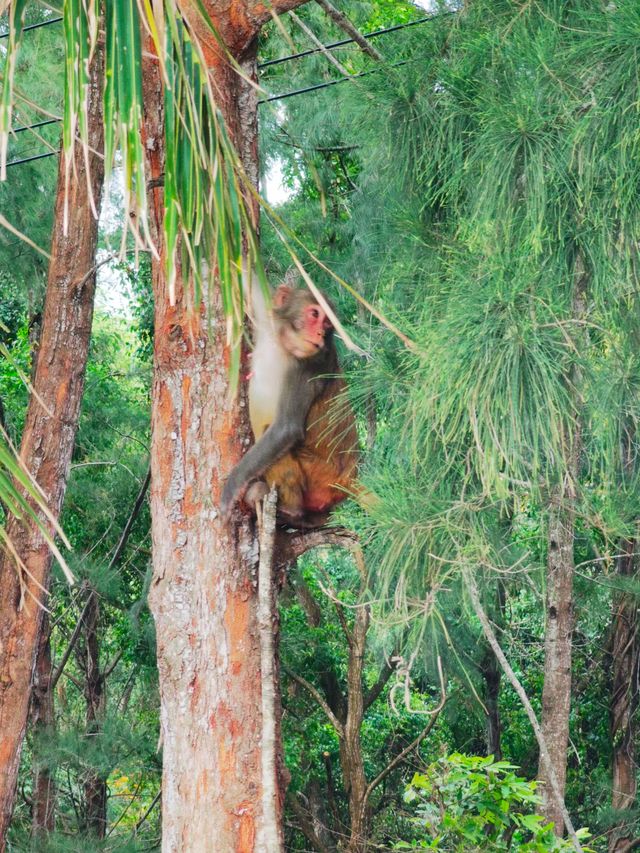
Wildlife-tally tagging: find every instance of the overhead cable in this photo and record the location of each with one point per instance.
(33, 26)
(341, 43)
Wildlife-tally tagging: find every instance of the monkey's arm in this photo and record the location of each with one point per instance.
(287, 430)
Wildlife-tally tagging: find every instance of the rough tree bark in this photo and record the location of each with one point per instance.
(203, 594)
(556, 694)
(48, 439)
(625, 652)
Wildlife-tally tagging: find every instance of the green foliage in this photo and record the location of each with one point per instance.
(468, 803)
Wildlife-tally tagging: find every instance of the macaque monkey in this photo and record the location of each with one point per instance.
(306, 441)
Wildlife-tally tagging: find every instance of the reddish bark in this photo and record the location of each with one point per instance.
(48, 439)
(203, 595)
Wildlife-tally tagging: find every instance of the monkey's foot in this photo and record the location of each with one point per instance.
(257, 491)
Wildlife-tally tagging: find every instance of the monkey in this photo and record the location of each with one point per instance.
(305, 433)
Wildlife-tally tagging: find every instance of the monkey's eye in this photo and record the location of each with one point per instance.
(315, 314)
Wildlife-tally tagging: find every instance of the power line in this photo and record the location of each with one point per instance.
(329, 83)
(37, 124)
(33, 27)
(263, 101)
(30, 159)
(335, 44)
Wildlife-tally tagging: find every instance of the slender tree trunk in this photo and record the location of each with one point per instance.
(203, 594)
(351, 756)
(95, 786)
(43, 729)
(625, 651)
(556, 694)
(492, 675)
(48, 439)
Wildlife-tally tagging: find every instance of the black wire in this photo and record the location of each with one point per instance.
(37, 124)
(33, 27)
(29, 159)
(329, 83)
(348, 41)
(281, 97)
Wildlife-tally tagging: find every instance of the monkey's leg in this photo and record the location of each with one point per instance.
(288, 476)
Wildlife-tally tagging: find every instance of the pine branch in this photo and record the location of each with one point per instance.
(345, 24)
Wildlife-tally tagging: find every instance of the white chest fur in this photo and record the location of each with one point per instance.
(269, 364)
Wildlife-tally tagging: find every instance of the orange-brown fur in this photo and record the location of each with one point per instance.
(313, 478)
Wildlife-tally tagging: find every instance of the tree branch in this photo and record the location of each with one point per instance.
(378, 687)
(315, 40)
(345, 24)
(400, 757)
(517, 686)
(305, 824)
(112, 563)
(290, 546)
(335, 722)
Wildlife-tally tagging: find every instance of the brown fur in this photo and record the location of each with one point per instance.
(313, 478)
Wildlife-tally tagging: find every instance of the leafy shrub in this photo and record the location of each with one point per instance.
(469, 803)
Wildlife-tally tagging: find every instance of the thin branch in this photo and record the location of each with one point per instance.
(130, 521)
(305, 824)
(335, 722)
(112, 563)
(55, 675)
(345, 24)
(400, 757)
(269, 837)
(378, 687)
(290, 546)
(517, 686)
(314, 38)
(148, 811)
(114, 663)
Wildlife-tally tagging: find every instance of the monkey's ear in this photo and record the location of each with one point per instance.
(282, 295)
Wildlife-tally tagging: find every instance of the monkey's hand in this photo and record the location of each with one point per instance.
(231, 494)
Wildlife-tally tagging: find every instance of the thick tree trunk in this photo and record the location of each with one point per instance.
(556, 693)
(43, 729)
(625, 652)
(203, 594)
(48, 440)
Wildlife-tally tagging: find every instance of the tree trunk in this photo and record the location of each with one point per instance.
(556, 693)
(203, 594)
(625, 651)
(95, 786)
(48, 439)
(351, 756)
(43, 729)
(492, 675)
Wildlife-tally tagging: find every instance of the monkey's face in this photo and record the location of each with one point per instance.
(304, 333)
